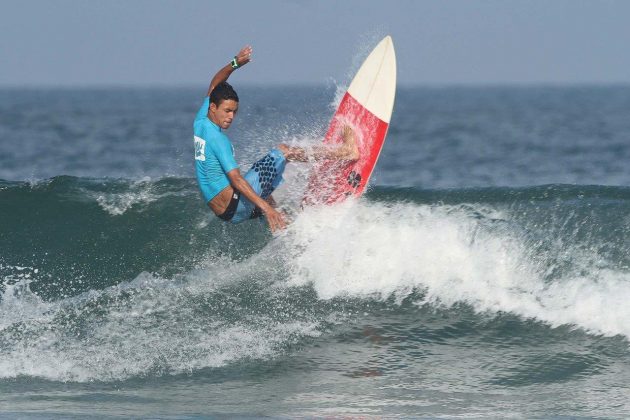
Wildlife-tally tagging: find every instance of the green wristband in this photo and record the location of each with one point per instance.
(234, 63)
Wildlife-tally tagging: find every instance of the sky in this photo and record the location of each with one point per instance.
(75, 43)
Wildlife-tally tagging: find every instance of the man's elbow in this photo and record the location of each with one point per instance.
(234, 176)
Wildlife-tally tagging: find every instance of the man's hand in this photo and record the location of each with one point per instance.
(244, 55)
(275, 219)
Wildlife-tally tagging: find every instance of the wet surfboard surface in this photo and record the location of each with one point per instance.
(367, 108)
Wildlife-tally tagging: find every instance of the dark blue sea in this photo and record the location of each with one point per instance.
(484, 274)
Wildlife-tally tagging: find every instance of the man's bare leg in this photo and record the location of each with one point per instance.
(348, 150)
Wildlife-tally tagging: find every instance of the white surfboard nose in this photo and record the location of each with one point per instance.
(374, 85)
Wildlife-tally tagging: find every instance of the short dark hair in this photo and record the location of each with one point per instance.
(222, 92)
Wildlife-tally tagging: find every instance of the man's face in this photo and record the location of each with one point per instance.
(224, 114)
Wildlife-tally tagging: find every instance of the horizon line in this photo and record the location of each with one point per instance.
(515, 84)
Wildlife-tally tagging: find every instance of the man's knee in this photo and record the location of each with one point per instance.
(284, 149)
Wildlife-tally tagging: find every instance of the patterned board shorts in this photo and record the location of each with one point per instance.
(264, 177)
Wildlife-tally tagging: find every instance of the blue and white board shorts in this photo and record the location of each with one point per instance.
(264, 177)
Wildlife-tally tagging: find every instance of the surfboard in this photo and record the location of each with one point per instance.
(367, 108)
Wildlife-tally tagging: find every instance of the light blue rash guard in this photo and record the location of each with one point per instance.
(214, 154)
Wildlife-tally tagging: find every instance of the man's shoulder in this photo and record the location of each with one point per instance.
(204, 128)
(203, 110)
(214, 138)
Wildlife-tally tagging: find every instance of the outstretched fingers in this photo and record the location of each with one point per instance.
(275, 219)
(244, 56)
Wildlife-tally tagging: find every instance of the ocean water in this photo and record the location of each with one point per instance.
(485, 273)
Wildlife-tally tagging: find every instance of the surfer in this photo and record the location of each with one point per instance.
(230, 195)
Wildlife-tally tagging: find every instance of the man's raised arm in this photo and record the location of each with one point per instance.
(243, 57)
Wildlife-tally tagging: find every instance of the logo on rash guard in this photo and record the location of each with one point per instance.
(200, 149)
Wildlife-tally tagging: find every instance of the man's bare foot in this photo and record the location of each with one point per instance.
(348, 149)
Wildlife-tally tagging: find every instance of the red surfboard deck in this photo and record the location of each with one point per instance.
(366, 107)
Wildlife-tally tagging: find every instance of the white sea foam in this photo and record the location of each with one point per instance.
(455, 255)
(18, 303)
(148, 326)
(117, 204)
(140, 192)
